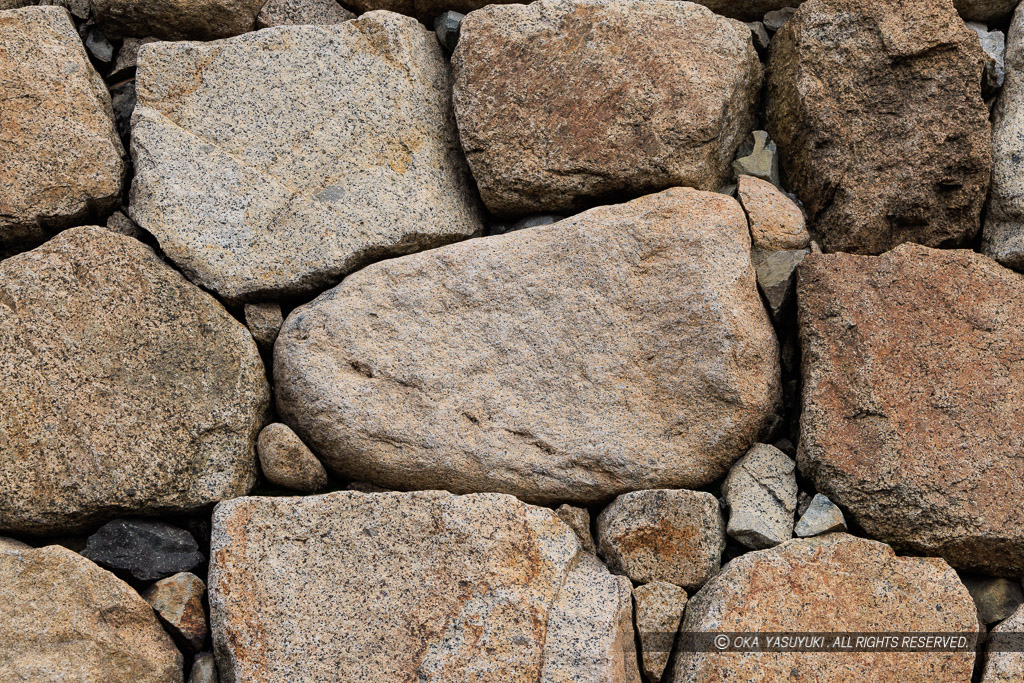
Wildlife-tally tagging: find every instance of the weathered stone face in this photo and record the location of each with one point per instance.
(877, 111)
(1006, 666)
(176, 19)
(624, 348)
(301, 12)
(827, 584)
(395, 586)
(913, 400)
(60, 156)
(124, 389)
(563, 102)
(984, 10)
(274, 163)
(62, 618)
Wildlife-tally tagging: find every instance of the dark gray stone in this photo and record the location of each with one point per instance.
(144, 550)
(98, 46)
(447, 27)
(528, 222)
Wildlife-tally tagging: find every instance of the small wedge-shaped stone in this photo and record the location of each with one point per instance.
(658, 608)
(828, 584)
(62, 618)
(563, 102)
(821, 517)
(275, 162)
(620, 349)
(760, 493)
(178, 600)
(913, 400)
(123, 387)
(60, 156)
(423, 586)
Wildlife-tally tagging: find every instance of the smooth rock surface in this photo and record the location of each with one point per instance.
(667, 535)
(178, 600)
(1005, 665)
(473, 367)
(760, 494)
(146, 550)
(562, 103)
(264, 321)
(176, 19)
(301, 12)
(913, 400)
(408, 586)
(776, 277)
(884, 138)
(286, 461)
(578, 519)
(1003, 236)
(821, 517)
(125, 389)
(776, 222)
(996, 599)
(62, 618)
(994, 44)
(758, 157)
(60, 157)
(828, 584)
(658, 611)
(273, 163)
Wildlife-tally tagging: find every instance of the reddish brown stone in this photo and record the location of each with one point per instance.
(913, 415)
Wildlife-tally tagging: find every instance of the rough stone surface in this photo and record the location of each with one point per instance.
(124, 388)
(885, 138)
(143, 549)
(301, 12)
(913, 400)
(776, 276)
(776, 222)
(985, 10)
(996, 599)
(758, 157)
(264, 322)
(275, 162)
(760, 493)
(827, 584)
(561, 103)
(776, 18)
(60, 157)
(176, 19)
(412, 586)
(65, 619)
(663, 535)
(474, 367)
(821, 517)
(994, 45)
(1003, 236)
(178, 601)
(1005, 666)
(204, 669)
(658, 611)
(578, 519)
(286, 461)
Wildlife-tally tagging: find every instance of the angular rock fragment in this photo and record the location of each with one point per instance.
(264, 322)
(776, 277)
(420, 585)
(301, 12)
(473, 367)
(286, 461)
(119, 223)
(123, 388)
(1003, 236)
(829, 584)
(143, 549)
(996, 599)
(178, 600)
(663, 535)
(578, 519)
(885, 138)
(776, 222)
(776, 18)
(1004, 660)
(176, 19)
(128, 57)
(913, 400)
(994, 45)
(60, 157)
(447, 27)
(658, 607)
(758, 157)
(760, 493)
(275, 162)
(562, 103)
(204, 669)
(65, 619)
(821, 517)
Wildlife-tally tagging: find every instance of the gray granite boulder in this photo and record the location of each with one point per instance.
(274, 163)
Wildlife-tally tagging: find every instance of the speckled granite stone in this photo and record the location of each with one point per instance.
(623, 348)
(286, 461)
(658, 610)
(60, 156)
(412, 586)
(178, 600)
(275, 162)
(301, 12)
(760, 493)
(123, 387)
